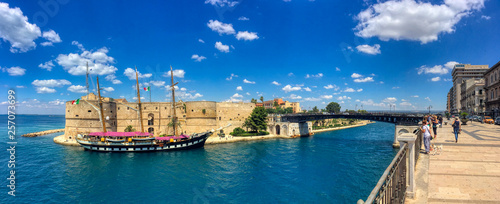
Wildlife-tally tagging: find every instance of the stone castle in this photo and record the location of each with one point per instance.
(193, 116)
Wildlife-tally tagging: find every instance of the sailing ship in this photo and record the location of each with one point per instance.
(141, 141)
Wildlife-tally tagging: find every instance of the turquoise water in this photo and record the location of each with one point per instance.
(333, 167)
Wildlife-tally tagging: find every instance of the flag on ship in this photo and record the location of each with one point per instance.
(147, 88)
(77, 101)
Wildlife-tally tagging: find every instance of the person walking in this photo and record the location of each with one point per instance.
(435, 123)
(427, 136)
(457, 127)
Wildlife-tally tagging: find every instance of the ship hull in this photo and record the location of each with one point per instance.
(152, 146)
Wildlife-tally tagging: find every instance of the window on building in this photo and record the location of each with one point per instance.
(76, 115)
(128, 108)
(118, 108)
(89, 111)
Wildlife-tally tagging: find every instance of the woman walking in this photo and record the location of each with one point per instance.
(457, 127)
(427, 136)
(435, 123)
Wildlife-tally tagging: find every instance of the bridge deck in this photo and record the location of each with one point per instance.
(465, 172)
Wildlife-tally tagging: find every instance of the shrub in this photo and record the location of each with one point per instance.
(237, 131)
(263, 132)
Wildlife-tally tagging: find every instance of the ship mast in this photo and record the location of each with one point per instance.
(139, 98)
(174, 118)
(100, 105)
(87, 79)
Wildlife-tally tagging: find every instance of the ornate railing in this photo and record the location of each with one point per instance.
(391, 187)
(418, 145)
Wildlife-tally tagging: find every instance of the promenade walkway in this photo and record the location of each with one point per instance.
(464, 172)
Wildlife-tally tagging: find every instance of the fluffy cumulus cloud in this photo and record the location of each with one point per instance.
(427, 98)
(275, 83)
(362, 80)
(113, 79)
(326, 96)
(349, 90)
(239, 88)
(14, 71)
(108, 89)
(47, 65)
(243, 18)
(77, 89)
(44, 90)
(245, 35)
(179, 73)
(130, 73)
(337, 69)
(437, 69)
(198, 58)
(294, 97)
(236, 98)
(15, 29)
(370, 102)
(312, 99)
(413, 20)
(367, 49)
(334, 87)
(52, 37)
(221, 28)
(289, 88)
(356, 75)
(248, 82)
(319, 75)
(231, 77)
(51, 83)
(307, 89)
(340, 98)
(390, 100)
(76, 64)
(221, 47)
(436, 79)
(222, 3)
(405, 103)
(57, 102)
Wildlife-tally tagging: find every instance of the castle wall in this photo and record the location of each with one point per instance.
(234, 113)
(84, 118)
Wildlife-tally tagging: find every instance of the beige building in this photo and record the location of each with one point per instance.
(448, 100)
(460, 73)
(473, 96)
(282, 104)
(193, 116)
(492, 87)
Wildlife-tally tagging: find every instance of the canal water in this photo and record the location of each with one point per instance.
(332, 167)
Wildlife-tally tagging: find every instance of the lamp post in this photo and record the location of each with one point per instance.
(429, 108)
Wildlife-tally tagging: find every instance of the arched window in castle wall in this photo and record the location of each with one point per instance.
(151, 119)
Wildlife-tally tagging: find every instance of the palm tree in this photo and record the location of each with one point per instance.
(262, 99)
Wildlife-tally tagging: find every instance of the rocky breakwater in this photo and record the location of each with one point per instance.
(36, 134)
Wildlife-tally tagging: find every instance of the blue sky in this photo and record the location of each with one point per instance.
(356, 53)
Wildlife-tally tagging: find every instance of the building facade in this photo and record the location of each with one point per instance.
(448, 100)
(282, 104)
(492, 87)
(193, 116)
(473, 96)
(460, 73)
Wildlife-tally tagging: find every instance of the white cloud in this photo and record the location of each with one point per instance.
(77, 89)
(57, 102)
(198, 58)
(427, 98)
(371, 50)
(14, 71)
(326, 96)
(294, 97)
(20, 87)
(290, 74)
(359, 90)
(340, 98)
(356, 75)
(486, 17)
(367, 79)
(200, 40)
(349, 90)
(15, 29)
(450, 64)
(370, 102)
(231, 77)
(221, 3)
(108, 89)
(239, 88)
(395, 87)
(357, 100)
(438, 69)
(412, 20)
(52, 38)
(51, 83)
(312, 99)
(184, 95)
(113, 79)
(405, 104)
(334, 87)
(142, 98)
(289, 88)
(76, 64)
(337, 69)
(43, 90)
(275, 83)
(79, 45)
(235, 98)
(415, 96)
(183, 89)
(47, 65)
(221, 47)
(179, 73)
(245, 35)
(221, 28)
(243, 18)
(248, 82)
(307, 89)
(319, 75)
(236, 95)
(436, 79)
(390, 100)
(130, 73)
(156, 83)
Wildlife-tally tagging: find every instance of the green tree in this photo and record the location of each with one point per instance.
(129, 129)
(253, 100)
(288, 110)
(362, 111)
(257, 120)
(271, 111)
(315, 109)
(276, 104)
(333, 107)
(463, 114)
(262, 99)
(447, 115)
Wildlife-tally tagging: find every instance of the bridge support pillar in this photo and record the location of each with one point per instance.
(410, 138)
